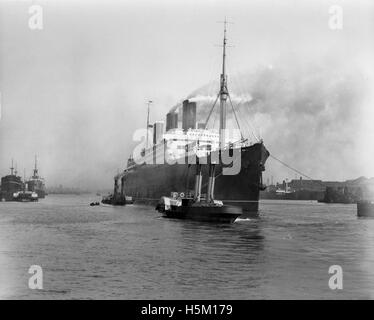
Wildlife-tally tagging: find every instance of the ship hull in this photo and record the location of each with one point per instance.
(224, 214)
(9, 185)
(147, 183)
(37, 186)
(41, 193)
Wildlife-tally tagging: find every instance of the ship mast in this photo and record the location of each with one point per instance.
(36, 168)
(24, 180)
(223, 93)
(11, 168)
(148, 103)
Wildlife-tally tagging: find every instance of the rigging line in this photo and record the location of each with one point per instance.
(297, 171)
(320, 183)
(211, 110)
(237, 122)
(250, 128)
(214, 121)
(248, 123)
(232, 107)
(206, 122)
(245, 127)
(253, 129)
(210, 113)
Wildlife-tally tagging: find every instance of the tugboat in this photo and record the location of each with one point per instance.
(185, 208)
(25, 196)
(117, 200)
(111, 199)
(198, 208)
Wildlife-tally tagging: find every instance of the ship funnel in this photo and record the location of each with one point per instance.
(158, 131)
(189, 115)
(171, 121)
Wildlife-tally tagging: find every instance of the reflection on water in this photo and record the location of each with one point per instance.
(133, 253)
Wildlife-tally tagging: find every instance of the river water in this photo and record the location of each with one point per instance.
(131, 252)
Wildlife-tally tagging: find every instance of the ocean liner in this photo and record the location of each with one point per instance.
(148, 176)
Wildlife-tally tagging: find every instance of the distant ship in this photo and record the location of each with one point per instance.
(10, 184)
(36, 183)
(148, 182)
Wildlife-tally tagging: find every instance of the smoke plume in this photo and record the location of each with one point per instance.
(307, 112)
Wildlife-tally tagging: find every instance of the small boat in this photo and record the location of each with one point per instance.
(115, 201)
(129, 200)
(94, 204)
(365, 208)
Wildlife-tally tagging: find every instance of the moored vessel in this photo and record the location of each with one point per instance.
(10, 184)
(365, 208)
(36, 183)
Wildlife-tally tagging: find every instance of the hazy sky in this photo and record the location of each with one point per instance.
(75, 91)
